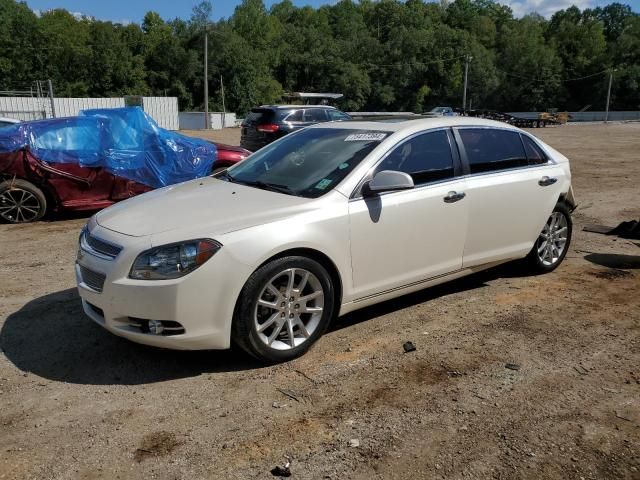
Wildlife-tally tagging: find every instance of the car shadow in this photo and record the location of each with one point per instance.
(51, 337)
(471, 282)
(614, 260)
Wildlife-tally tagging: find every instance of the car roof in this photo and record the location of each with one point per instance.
(281, 107)
(398, 125)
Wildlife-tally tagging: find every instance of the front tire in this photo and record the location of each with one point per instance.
(553, 242)
(21, 202)
(283, 309)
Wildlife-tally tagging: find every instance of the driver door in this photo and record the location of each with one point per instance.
(402, 238)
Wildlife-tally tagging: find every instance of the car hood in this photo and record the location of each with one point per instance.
(215, 205)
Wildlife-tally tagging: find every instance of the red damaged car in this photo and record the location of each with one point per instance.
(31, 186)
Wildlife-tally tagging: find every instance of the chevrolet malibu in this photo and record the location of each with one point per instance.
(322, 222)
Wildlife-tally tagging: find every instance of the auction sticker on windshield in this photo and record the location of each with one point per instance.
(366, 137)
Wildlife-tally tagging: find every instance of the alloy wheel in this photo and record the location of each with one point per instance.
(553, 239)
(289, 309)
(19, 206)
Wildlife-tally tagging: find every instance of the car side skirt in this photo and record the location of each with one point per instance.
(414, 287)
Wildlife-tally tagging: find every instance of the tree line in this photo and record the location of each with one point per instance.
(385, 55)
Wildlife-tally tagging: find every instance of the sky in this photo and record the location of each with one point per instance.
(126, 11)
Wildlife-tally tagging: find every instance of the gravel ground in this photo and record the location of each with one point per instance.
(77, 402)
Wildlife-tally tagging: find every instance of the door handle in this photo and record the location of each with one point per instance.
(454, 197)
(546, 181)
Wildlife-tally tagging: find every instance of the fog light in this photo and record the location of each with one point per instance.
(156, 327)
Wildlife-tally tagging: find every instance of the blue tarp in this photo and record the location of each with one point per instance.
(124, 141)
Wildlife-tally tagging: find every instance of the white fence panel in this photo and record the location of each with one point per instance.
(70, 107)
(217, 120)
(24, 108)
(163, 110)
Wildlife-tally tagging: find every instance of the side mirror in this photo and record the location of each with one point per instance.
(388, 181)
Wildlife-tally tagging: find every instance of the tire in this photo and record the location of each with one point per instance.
(21, 202)
(553, 253)
(264, 330)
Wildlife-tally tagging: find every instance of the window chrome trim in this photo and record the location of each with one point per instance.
(356, 194)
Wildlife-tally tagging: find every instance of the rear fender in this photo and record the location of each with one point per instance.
(570, 199)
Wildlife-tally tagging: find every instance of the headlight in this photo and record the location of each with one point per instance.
(173, 261)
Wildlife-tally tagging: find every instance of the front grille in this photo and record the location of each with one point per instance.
(102, 247)
(93, 280)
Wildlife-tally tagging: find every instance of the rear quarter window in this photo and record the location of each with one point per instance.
(491, 150)
(338, 115)
(259, 116)
(535, 155)
(315, 115)
(293, 116)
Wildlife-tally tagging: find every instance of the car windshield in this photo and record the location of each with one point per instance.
(308, 163)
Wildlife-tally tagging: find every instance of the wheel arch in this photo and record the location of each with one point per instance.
(568, 198)
(323, 260)
(319, 257)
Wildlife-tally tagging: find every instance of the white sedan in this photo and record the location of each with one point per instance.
(322, 222)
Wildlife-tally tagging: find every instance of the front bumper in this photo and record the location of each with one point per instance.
(202, 302)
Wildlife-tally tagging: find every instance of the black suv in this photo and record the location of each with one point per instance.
(267, 123)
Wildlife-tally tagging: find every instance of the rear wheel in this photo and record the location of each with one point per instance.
(553, 242)
(21, 202)
(284, 307)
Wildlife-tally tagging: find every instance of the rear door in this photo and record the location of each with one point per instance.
(509, 192)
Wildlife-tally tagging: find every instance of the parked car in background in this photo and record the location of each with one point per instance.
(95, 159)
(5, 121)
(267, 123)
(327, 220)
(443, 112)
(30, 187)
(228, 155)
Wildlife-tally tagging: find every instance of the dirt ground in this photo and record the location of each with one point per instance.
(78, 402)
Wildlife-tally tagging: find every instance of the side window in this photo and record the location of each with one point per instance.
(535, 155)
(490, 150)
(315, 115)
(426, 157)
(295, 116)
(338, 115)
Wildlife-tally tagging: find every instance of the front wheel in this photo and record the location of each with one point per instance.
(284, 307)
(553, 242)
(21, 202)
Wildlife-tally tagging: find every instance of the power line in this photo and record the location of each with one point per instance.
(543, 80)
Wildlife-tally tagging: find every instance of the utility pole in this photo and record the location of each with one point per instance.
(468, 58)
(224, 110)
(53, 107)
(606, 114)
(206, 78)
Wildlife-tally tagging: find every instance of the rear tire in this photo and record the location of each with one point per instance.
(21, 202)
(553, 242)
(283, 309)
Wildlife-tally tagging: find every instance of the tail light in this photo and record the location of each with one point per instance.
(268, 128)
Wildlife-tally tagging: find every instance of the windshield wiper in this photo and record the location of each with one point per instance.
(270, 186)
